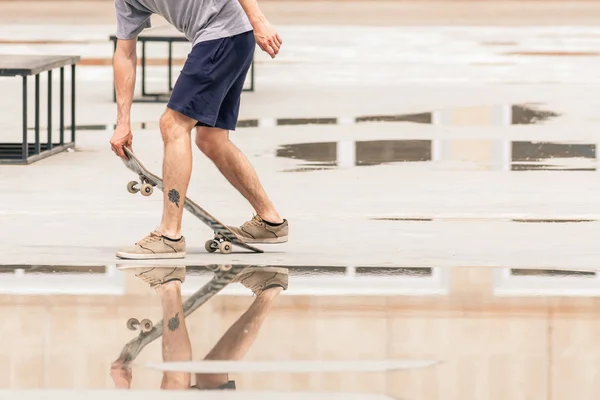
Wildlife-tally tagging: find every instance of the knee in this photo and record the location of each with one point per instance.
(209, 141)
(173, 127)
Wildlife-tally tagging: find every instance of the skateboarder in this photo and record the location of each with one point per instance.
(206, 97)
(266, 283)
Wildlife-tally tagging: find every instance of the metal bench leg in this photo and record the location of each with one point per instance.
(49, 147)
(252, 77)
(25, 148)
(170, 66)
(73, 103)
(37, 148)
(62, 105)
(143, 68)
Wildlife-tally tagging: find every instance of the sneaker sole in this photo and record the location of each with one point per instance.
(163, 256)
(266, 241)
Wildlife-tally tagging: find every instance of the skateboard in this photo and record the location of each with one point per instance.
(223, 276)
(224, 238)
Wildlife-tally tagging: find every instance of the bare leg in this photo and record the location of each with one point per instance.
(236, 342)
(177, 169)
(176, 344)
(232, 163)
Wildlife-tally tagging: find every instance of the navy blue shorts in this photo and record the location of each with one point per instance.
(212, 79)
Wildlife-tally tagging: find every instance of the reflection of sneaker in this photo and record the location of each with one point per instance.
(154, 246)
(259, 279)
(258, 231)
(156, 276)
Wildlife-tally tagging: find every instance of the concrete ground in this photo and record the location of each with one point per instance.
(463, 64)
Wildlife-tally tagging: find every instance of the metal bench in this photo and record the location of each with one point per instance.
(27, 152)
(162, 36)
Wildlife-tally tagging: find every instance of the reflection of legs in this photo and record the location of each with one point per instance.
(175, 341)
(236, 342)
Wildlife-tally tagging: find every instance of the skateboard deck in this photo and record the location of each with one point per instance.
(224, 237)
(223, 276)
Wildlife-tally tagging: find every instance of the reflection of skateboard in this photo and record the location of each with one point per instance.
(145, 325)
(224, 237)
(223, 275)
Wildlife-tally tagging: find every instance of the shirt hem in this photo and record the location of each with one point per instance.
(222, 34)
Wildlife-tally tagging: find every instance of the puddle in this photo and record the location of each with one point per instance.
(518, 114)
(497, 154)
(333, 324)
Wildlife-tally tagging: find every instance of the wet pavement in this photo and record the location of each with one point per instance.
(350, 331)
(441, 187)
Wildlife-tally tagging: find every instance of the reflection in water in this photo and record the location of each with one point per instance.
(517, 114)
(506, 325)
(537, 156)
(265, 282)
(519, 155)
(503, 154)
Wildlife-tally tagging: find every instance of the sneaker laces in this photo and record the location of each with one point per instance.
(151, 238)
(255, 221)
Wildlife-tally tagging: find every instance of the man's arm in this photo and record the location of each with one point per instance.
(266, 36)
(124, 69)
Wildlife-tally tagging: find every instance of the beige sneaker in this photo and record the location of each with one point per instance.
(156, 275)
(154, 246)
(258, 231)
(259, 279)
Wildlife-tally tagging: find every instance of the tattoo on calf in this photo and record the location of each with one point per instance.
(173, 323)
(174, 197)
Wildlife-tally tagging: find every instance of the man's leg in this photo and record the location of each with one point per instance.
(267, 283)
(176, 344)
(177, 169)
(167, 241)
(213, 141)
(232, 163)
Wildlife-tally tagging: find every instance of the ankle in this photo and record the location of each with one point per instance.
(170, 234)
(270, 293)
(273, 218)
(173, 286)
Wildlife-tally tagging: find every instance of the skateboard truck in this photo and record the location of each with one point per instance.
(218, 242)
(143, 186)
(144, 325)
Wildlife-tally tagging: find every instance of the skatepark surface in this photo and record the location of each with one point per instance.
(457, 139)
(455, 210)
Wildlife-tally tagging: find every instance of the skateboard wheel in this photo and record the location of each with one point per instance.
(147, 189)
(211, 246)
(225, 268)
(133, 324)
(146, 325)
(131, 187)
(225, 247)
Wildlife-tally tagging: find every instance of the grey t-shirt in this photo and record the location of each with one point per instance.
(198, 20)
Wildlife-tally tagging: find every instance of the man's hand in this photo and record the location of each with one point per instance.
(121, 375)
(266, 37)
(122, 137)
